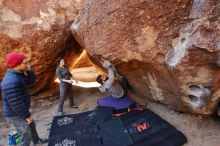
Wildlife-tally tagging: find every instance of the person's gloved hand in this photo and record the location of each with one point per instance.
(106, 64)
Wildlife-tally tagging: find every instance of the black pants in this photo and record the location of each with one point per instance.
(34, 134)
(65, 90)
(125, 85)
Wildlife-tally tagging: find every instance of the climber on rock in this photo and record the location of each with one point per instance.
(114, 84)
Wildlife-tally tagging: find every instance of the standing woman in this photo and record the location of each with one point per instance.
(66, 89)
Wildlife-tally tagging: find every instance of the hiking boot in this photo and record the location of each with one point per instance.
(60, 114)
(218, 109)
(41, 141)
(74, 106)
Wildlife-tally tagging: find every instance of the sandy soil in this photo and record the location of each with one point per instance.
(199, 132)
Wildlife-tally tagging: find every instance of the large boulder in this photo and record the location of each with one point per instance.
(41, 30)
(168, 50)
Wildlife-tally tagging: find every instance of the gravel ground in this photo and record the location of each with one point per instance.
(199, 132)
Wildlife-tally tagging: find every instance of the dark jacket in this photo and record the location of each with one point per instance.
(63, 73)
(16, 100)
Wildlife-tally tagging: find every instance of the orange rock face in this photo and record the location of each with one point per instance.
(168, 50)
(41, 30)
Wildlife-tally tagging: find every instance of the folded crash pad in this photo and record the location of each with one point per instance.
(117, 103)
(143, 128)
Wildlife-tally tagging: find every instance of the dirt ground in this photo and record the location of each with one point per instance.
(205, 132)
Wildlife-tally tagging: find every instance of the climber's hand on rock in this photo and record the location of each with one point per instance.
(106, 64)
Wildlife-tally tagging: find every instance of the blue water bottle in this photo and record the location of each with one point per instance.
(12, 137)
